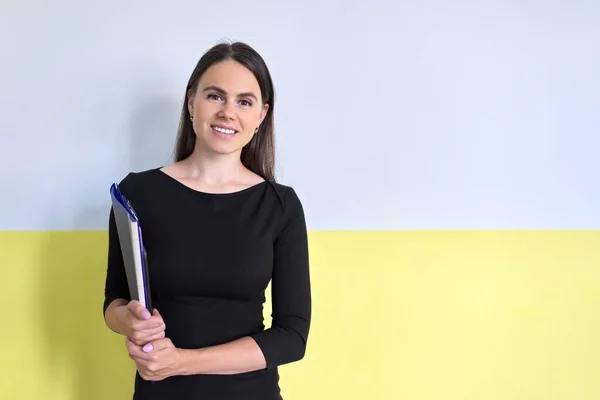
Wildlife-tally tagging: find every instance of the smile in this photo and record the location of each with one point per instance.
(223, 131)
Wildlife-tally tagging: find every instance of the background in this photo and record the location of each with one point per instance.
(446, 154)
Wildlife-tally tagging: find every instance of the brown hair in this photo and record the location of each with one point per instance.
(259, 154)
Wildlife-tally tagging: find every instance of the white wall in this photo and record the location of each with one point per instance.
(443, 114)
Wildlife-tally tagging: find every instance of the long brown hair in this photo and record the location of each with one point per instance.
(259, 154)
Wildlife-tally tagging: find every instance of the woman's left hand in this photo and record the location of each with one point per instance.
(156, 360)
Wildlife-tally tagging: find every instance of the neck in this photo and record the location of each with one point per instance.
(215, 169)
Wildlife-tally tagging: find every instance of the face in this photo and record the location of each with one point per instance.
(226, 108)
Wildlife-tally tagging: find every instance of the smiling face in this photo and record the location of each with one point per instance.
(226, 108)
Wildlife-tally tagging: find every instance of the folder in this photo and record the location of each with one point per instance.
(132, 248)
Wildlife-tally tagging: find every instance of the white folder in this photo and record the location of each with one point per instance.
(132, 248)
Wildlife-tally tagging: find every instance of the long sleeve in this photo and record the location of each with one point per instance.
(115, 285)
(285, 341)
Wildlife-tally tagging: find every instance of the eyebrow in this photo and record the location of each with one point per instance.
(224, 93)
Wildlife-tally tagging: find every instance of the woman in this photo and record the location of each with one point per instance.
(217, 229)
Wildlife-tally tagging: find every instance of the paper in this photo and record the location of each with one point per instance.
(132, 248)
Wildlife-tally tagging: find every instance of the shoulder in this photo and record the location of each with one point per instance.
(292, 221)
(290, 200)
(138, 182)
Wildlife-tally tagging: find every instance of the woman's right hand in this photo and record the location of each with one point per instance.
(138, 325)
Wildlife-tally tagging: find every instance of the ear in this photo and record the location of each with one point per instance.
(190, 101)
(263, 113)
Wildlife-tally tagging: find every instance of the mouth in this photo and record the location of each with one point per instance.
(223, 131)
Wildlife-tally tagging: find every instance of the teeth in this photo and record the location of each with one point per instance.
(225, 131)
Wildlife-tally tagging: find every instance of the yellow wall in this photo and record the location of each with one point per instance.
(397, 315)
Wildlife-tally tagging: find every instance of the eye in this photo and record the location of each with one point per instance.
(214, 96)
(245, 103)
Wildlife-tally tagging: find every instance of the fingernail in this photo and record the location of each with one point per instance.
(145, 314)
(148, 347)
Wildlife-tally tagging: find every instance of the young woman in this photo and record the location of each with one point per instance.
(217, 229)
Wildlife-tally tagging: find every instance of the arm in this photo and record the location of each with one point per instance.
(286, 340)
(239, 356)
(116, 290)
(121, 315)
(110, 316)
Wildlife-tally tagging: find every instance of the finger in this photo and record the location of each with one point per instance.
(129, 343)
(142, 334)
(140, 362)
(132, 347)
(156, 315)
(143, 340)
(157, 345)
(144, 358)
(138, 310)
(148, 376)
(135, 352)
(158, 336)
(152, 322)
(143, 337)
(146, 350)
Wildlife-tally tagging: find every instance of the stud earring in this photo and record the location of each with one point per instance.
(256, 130)
(191, 117)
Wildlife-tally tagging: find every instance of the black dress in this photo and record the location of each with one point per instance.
(210, 259)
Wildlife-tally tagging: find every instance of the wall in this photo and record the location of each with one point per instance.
(454, 242)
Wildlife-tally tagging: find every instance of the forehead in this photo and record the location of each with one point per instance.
(231, 76)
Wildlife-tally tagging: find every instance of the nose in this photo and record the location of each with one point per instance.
(226, 111)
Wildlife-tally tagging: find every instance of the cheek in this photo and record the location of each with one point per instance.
(204, 109)
(251, 119)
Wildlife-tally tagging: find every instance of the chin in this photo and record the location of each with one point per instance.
(222, 150)
(223, 147)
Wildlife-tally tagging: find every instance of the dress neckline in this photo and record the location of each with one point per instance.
(204, 193)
